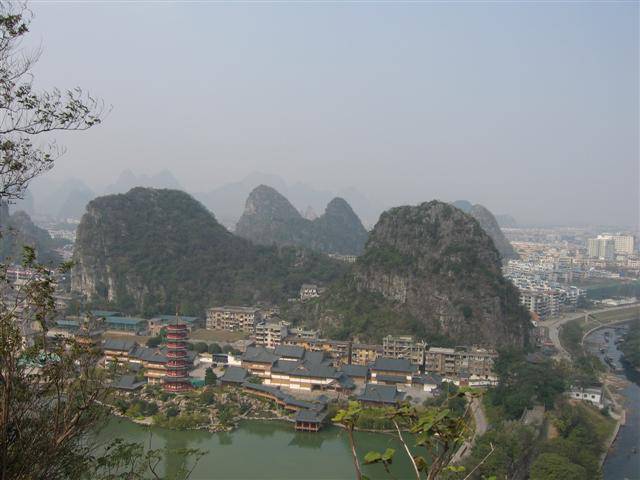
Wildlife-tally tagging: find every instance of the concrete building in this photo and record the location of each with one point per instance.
(233, 319)
(271, 334)
(602, 248)
(452, 363)
(404, 346)
(623, 244)
(591, 395)
(309, 291)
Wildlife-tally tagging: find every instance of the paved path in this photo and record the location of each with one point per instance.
(481, 425)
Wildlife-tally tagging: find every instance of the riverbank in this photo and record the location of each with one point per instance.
(621, 460)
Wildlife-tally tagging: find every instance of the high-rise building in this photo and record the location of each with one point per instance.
(623, 244)
(602, 248)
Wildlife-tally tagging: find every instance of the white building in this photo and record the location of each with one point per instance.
(593, 395)
(602, 248)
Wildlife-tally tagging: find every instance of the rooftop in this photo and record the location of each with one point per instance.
(393, 365)
(381, 394)
(235, 375)
(119, 344)
(125, 320)
(355, 370)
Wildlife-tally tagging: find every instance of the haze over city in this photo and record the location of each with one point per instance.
(531, 110)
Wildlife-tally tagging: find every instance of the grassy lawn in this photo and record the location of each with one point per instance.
(203, 335)
(623, 314)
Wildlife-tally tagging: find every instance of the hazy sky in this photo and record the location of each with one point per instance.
(530, 109)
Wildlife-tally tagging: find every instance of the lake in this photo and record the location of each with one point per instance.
(261, 449)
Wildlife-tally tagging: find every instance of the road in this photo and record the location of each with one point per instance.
(555, 324)
(481, 426)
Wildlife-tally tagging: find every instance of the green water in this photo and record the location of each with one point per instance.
(270, 450)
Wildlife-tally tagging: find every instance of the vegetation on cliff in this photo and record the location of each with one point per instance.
(269, 218)
(428, 270)
(148, 251)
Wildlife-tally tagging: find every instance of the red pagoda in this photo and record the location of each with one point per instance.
(178, 364)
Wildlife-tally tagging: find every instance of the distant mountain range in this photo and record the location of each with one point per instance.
(68, 198)
(227, 202)
(270, 219)
(490, 225)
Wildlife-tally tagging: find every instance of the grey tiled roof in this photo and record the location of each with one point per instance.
(391, 378)
(259, 355)
(393, 365)
(290, 351)
(119, 345)
(128, 382)
(381, 394)
(360, 371)
(428, 379)
(311, 416)
(234, 375)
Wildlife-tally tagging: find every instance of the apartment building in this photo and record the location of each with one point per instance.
(404, 346)
(233, 319)
(622, 244)
(365, 354)
(453, 362)
(602, 248)
(271, 334)
(309, 291)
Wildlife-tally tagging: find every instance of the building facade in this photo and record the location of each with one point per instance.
(233, 319)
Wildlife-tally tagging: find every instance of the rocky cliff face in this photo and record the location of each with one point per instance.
(490, 225)
(269, 218)
(430, 270)
(149, 251)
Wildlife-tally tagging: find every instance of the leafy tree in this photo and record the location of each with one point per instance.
(154, 342)
(437, 430)
(172, 411)
(551, 466)
(215, 348)
(50, 392)
(201, 347)
(210, 377)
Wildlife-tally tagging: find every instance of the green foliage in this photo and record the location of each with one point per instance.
(385, 257)
(618, 289)
(551, 466)
(207, 396)
(210, 377)
(131, 461)
(141, 408)
(154, 342)
(215, 348)
(521, 384)
(201, 347)
(631, 346)
(511, 442)
(171, 411)
(583, 431)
